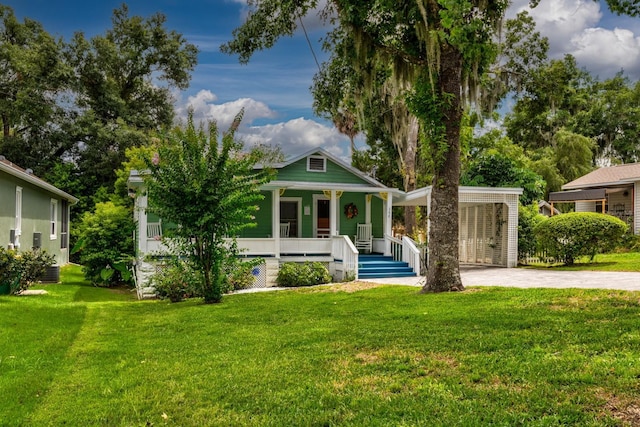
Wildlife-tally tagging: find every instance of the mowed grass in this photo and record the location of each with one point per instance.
(348, 355)
(628, 261)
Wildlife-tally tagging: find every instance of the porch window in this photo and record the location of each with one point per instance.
(289, 214)
(316, 164)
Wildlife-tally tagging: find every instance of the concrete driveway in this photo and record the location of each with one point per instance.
(532, 278)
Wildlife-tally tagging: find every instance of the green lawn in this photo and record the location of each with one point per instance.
(347, 356)
(629, 261)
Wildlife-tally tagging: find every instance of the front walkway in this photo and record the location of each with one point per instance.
(534, 278)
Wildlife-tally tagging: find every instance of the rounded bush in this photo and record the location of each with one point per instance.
(307, 274)
(569, 236)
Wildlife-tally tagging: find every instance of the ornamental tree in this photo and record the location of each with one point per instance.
(209, 187)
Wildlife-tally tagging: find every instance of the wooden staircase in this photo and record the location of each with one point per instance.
(380, 266)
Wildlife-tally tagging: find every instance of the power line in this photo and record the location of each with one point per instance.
(309, 42)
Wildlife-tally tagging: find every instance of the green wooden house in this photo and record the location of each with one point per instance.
(33, 213)
(315, 209)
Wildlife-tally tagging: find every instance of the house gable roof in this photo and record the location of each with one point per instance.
(609, 176)
(27, 176)
(360, 177)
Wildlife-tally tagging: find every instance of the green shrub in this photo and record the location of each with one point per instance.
(106, 244)
(528, 218)
(308, 274)
(239, 273)
(176, 280)
(20, 270)
(630, 241)
(569, 236)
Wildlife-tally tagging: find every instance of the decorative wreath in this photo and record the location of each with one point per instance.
(350, 211)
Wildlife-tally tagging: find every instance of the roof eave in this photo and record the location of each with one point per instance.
(627, 181)
(37, 182)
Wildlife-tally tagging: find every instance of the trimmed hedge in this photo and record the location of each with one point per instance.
(308, 274)
(569, 236)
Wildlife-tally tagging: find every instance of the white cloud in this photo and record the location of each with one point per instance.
(572, 27)
(604, 52)
(205, 43)
(205, 109)
(296, 136)
(293, 136)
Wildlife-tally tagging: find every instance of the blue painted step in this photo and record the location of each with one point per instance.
(377, 266)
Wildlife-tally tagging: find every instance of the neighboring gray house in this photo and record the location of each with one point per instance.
(33, 213)
(614, 190)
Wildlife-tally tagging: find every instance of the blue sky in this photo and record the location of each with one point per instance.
(274, 87)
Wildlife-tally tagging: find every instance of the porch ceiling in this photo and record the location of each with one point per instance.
(578, 195)
(319, 186)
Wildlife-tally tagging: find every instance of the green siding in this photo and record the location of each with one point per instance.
(377, 217)
(335, 174)
(263, 219)
(346, 226)
(36, 208)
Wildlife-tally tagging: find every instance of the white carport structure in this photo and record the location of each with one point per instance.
(488, 222)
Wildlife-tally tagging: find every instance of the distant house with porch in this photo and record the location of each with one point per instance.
(614, 190)
(319, 208)
(33, 213)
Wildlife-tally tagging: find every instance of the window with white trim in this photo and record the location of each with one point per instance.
(18, 222)
(316, 164)
(53, 228)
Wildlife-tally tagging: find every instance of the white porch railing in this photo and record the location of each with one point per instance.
(345, 255)
(411, 254)
(405, 250)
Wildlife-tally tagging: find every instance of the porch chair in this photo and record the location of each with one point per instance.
(154, 230)
(284, 229)
(363, 240)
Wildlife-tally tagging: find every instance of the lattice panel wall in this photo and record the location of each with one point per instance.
(483, 234)
(259, 273)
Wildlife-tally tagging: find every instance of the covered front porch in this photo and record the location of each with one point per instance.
(309, 222)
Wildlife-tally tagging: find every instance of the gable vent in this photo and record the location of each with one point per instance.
(316, 164)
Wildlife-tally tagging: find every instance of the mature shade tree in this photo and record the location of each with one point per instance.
(612, 118)
(33, 78)
(221, 186)
(123, 82)
(549, 98)
(498, 170)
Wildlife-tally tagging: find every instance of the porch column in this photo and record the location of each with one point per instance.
(141, 209)
(333, 208)
(275, 222)
(388, 222)
(367, 209)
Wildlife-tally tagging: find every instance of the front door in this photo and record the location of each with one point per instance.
(323, 225)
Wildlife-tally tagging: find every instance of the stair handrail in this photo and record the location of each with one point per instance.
(344, 251)
(411, 254)
(396, 247)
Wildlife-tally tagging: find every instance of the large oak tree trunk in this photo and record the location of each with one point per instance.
(443, 273)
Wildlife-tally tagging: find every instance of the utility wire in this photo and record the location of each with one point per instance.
(309, 42)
